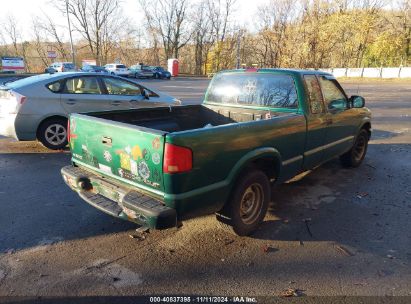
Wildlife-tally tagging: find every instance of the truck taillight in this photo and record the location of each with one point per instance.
(177, 159)
(68, 130)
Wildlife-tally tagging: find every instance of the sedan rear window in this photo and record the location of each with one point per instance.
(255, 89)
(68, 66)
(121, 66)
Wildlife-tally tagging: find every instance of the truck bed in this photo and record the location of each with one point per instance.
(183, 118)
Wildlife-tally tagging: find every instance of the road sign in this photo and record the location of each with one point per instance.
(12, 63)
(51, 54)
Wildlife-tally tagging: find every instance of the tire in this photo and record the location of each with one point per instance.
(247, 205)
(156, 76)
(52, 133)
(112, 73)
(355, 156)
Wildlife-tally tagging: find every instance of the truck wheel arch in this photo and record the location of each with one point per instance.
(265, 159)
(366, 126)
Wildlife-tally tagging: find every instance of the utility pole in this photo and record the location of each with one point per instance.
(240, 33)
(71, 38)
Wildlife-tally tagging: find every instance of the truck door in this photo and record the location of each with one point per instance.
(341, 125)
(317, 122)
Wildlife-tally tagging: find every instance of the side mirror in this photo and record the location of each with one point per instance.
(357, 101)
(338, 104)
(145, 94)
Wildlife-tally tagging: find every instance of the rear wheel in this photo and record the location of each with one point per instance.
(52, 133)
(248, 204)
(355, 156)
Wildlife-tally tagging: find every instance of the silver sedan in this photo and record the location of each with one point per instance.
(37, 107)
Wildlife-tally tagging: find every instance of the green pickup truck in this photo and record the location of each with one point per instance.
(255, 128)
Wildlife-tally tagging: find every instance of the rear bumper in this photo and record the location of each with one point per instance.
(7, 125)
(119, 201)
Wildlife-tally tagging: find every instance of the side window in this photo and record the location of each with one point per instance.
(333, 96)
(82, 85)
(55, 87)
(120, 87)
(314, 94)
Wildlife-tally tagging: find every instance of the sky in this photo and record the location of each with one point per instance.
(23, 10)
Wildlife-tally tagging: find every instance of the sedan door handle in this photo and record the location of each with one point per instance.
(71, 101)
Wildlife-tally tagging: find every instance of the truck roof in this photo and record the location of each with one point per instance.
(288, 71)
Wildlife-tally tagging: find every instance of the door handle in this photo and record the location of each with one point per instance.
(116, 103)
(71, 101)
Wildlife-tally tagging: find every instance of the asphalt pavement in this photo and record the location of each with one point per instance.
(333, 232)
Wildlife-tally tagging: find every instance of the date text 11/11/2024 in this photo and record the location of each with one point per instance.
(202, 299)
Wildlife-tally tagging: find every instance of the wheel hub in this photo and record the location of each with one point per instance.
(55, 134)
(251, 203)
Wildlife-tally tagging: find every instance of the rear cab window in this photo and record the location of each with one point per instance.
(254, 89)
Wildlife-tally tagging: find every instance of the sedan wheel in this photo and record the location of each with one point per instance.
(53, 133)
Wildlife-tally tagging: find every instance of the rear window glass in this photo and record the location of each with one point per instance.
(27, 81)
(256, 89)
(121, 66)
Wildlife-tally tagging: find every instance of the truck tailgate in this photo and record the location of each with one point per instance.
(128, 153)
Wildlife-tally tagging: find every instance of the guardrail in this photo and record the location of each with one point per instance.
(400, 72)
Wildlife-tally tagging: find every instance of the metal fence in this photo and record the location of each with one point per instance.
(400, 72)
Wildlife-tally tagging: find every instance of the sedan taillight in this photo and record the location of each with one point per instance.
(17, 102)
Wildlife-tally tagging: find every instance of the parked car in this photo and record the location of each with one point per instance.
(255, 128)
(117, 69)
(160, 72)
(94, 69)
(140, 71)
(61, 67)
(37, 107)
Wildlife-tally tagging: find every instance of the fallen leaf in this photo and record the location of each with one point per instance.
(138, 237)
(291, 292)
(344, 250)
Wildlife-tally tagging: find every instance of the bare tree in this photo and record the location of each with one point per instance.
(13, 33)
(202, 37)
(220, 13)
(39, 41)
(167, 19)
(54, 32)
(97, 21)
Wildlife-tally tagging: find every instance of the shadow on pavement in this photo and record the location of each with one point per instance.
(37, 208)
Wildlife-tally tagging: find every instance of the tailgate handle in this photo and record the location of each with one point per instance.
(107, 141)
